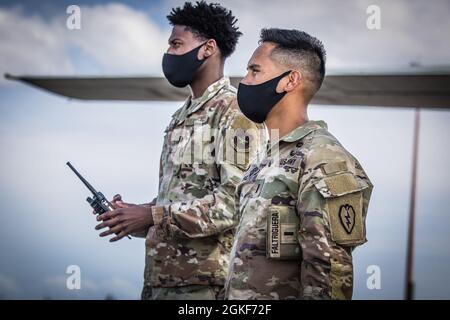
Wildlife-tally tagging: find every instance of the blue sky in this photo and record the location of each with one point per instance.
(46, 223)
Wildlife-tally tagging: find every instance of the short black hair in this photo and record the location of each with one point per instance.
(297, 48)
(209, 21)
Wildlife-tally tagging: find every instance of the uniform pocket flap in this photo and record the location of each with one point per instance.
(202, 119)
(339, 185)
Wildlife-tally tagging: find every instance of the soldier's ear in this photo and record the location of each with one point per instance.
(210, 48)
(294, 79)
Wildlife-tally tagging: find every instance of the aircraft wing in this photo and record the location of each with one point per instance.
(107, 88)
(429, 90)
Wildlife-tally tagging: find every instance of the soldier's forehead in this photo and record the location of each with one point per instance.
(265, 49)
(262, 53)
(181, 32)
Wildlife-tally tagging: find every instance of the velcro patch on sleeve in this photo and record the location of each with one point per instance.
(346, 219)
(333, 167)
(342, 184)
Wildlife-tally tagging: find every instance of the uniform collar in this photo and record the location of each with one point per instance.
(210, 92)
(296, 134)
(192, 105)
(304, 130)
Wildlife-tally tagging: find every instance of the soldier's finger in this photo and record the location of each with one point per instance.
(108, 215)
(119, 236)
(121, 204)
(117, 197)
(108, 223)
(115, 229)
(99, 226)
(104, 216)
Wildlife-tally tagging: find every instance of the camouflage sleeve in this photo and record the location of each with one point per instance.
(216, 212)
(332, 205)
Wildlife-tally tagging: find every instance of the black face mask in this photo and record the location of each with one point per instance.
(180, 69)
(256, 101)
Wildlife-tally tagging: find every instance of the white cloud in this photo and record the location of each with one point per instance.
(113, 38)
(118, 39)
(407, 31)
(30, 45)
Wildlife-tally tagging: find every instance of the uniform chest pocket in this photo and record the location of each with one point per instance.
(282, 233)
(199, 145)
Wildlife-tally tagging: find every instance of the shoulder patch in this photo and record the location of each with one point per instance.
(344, 200)
(346, 219)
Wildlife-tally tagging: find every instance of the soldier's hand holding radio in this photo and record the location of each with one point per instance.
(125, 219)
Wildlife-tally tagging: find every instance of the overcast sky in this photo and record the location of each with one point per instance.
(46, 223)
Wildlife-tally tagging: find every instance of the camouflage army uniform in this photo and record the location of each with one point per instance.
(304, 205)
(187, 250)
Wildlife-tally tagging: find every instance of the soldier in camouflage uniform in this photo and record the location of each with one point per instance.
(189, 227)
(303, 202)
(194, 216)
